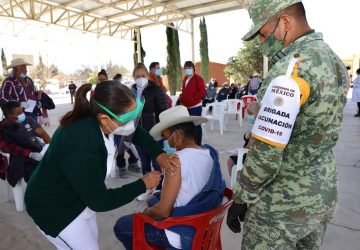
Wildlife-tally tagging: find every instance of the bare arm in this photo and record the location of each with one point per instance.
(43, 135)
(171, 187)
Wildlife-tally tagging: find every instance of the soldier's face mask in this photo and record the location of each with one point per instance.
(271, 46)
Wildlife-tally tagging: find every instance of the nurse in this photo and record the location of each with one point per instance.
(68, 186)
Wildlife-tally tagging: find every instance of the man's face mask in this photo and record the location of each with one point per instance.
(271, 46)
(167, 148)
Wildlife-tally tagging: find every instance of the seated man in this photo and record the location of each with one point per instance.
(13, 112)
(196, 188)
(19, 136)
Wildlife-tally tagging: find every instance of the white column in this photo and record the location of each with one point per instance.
(138, 44)
(192, 40)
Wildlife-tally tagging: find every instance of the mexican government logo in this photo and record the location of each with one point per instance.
(278, 102)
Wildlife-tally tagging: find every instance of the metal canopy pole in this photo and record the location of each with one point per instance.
(192, 40)
(265, 66)
(138, 45)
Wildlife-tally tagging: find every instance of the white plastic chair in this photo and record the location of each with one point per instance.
(217, 114)
(234, 107)
(237, 167)
(18, 191)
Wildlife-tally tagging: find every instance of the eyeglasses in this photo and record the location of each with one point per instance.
(129, 116)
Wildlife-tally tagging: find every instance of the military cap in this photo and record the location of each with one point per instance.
(261, 10)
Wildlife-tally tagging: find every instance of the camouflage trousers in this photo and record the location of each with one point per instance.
(283, 232)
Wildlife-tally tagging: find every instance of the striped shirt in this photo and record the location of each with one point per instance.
(13, 90)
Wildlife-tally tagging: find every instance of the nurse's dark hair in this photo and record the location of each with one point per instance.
(187, 128)
(111, 94)
(358, 71)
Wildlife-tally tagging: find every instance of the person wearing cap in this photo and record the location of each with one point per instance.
(287, 190)
(196, 188)
(68, 187)
(254, 84)
(19, 86)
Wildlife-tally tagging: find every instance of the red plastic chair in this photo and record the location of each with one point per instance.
(247, 99)
(207, 227)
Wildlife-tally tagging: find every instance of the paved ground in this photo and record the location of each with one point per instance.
(17, 230)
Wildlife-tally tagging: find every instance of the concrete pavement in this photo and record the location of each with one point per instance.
(17, 231)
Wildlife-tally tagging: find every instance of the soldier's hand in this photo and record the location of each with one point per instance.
(236, 214)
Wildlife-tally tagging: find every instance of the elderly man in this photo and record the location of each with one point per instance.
(19, 87)
(287, 190)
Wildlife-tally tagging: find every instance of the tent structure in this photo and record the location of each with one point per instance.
(117, 18)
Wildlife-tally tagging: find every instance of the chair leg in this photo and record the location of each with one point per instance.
(212, 125)
(19, 196)
(240, 120)
(221, 127)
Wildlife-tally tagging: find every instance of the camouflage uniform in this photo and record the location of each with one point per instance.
(292, 192)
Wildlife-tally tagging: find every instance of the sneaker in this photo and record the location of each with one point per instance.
(134, 167)
(123, 173)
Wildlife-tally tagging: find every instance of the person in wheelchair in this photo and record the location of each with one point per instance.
(197, 188)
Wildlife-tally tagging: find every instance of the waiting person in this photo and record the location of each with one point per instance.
(210, 94)
(233, 91)
(289, 178)
(19, 87)
(155, 103)
(254, 84)
(118, 77)
(128, 147)
(155, 77)
(102, 76)
(187, 191)
(356, 91)
(68, 186)
(72, 90)
(224, 93)
(26, 133)
(14, 112)
(192, 92)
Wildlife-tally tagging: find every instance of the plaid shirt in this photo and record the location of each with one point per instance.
(13, 90)
(13, 149)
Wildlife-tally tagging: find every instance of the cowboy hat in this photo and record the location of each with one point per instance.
(17, 62)
(175, 115)
(256, 74)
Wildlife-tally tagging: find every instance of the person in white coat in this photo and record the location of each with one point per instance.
(356, 91)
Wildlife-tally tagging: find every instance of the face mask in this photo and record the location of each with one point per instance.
(23, 75)
(188, 72)
(158, 72)
(125, 130)
(271, 46)
(167, 148)
(250, 119)
(21, 118)
(141, 82)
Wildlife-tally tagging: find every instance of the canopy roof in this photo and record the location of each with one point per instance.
(116, 17)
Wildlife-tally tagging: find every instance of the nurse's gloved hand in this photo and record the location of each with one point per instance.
(170, 163)
(151, 179)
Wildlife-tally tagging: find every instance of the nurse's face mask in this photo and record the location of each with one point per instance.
(127, 119)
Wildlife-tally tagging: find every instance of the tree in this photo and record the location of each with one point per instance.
(143, 53)
(113, 69)
(4, 63)
(204, 50)
(248, 60)
(44, 73)
(173, 68)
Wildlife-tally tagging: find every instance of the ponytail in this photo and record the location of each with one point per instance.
(82, 107)
(113, 95)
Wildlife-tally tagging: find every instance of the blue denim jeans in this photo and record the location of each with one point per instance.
(123, 230)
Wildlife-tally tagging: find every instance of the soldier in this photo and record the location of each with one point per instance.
(288, 186)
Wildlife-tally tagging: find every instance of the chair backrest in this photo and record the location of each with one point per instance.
(247, 99)
(207, 227)
(238, 166)
(218, 109)
(233, 105)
